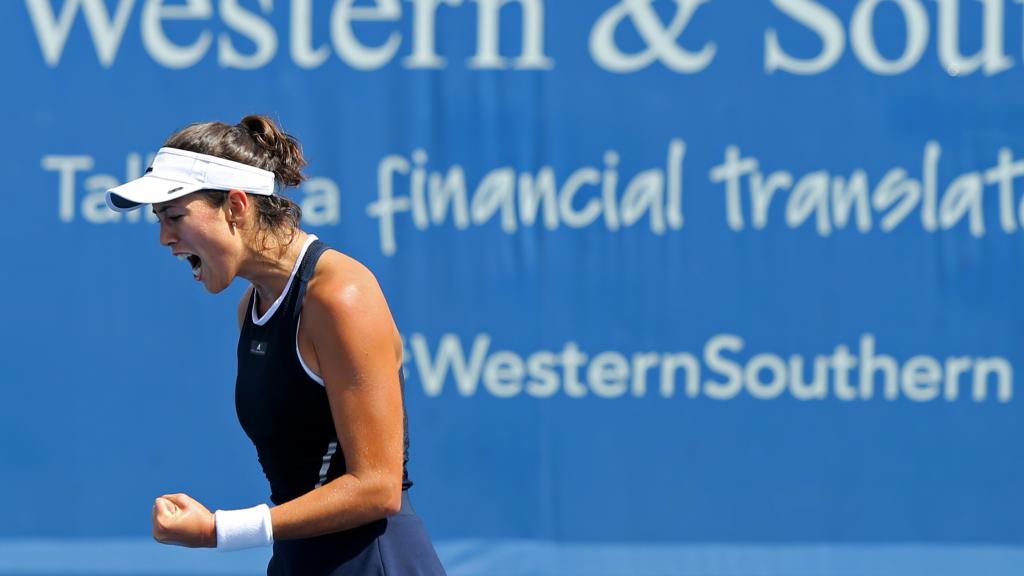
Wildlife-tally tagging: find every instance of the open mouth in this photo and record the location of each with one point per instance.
(194, 261)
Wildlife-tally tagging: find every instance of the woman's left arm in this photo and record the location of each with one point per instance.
(354, 338)
(355, 341)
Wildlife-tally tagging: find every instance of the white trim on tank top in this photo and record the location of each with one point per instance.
(331, 449)
(260, 321)
(309, 372)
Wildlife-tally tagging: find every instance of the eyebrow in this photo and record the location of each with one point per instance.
(158, 212)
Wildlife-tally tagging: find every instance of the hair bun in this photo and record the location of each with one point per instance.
(262, 129)
(281, 147)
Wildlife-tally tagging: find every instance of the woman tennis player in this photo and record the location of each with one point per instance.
(319, 385)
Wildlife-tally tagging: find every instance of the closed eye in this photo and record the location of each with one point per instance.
(162, 214)
(164, 218)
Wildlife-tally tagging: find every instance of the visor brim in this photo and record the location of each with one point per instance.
(148, 189)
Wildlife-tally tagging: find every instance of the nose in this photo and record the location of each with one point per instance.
(167, 237)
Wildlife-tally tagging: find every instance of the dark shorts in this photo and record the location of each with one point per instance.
(395, 546)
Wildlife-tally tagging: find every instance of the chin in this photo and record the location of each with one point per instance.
(216, 288)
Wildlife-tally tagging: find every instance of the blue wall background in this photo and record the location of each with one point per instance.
(548, 360)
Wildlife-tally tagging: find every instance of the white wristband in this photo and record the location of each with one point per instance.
(248, 528)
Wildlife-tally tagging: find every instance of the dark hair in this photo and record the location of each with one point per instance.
(256, 141)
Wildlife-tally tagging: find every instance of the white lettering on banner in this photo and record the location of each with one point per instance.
(719, 373)
(53, 33)
(424, 19)
(256, 29)
(167, 53)
(320, 202)
(487, 57)
(832, 200)
(66, 167)
(661, 41)
(587, 194)
(992, 56)
(826, 25)
(92, 204)
(813, 15)
(823, 200)
(107, 32)
(301, 30)
(862, 36)
(320, 197)
(349, 48)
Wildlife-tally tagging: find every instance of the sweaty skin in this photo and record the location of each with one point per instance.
(347, 336)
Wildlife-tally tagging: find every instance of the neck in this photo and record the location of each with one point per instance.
(270, 268)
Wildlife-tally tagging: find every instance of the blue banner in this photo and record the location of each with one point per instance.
(671, 275)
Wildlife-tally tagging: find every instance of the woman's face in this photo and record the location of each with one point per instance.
(201, 235)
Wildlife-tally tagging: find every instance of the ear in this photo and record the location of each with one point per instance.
(237, 207)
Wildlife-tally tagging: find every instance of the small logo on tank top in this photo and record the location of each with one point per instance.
(258, 348)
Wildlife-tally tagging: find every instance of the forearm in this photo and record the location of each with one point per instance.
(342, 504)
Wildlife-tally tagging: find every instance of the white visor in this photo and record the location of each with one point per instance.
(175, 173)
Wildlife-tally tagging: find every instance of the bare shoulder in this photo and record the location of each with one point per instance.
(342, 281)
(345, 301)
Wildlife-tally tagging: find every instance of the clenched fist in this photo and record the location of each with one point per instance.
(180, 520)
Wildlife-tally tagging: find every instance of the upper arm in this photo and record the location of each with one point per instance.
(353, 336)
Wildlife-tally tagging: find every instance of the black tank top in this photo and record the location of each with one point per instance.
(282, 409)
